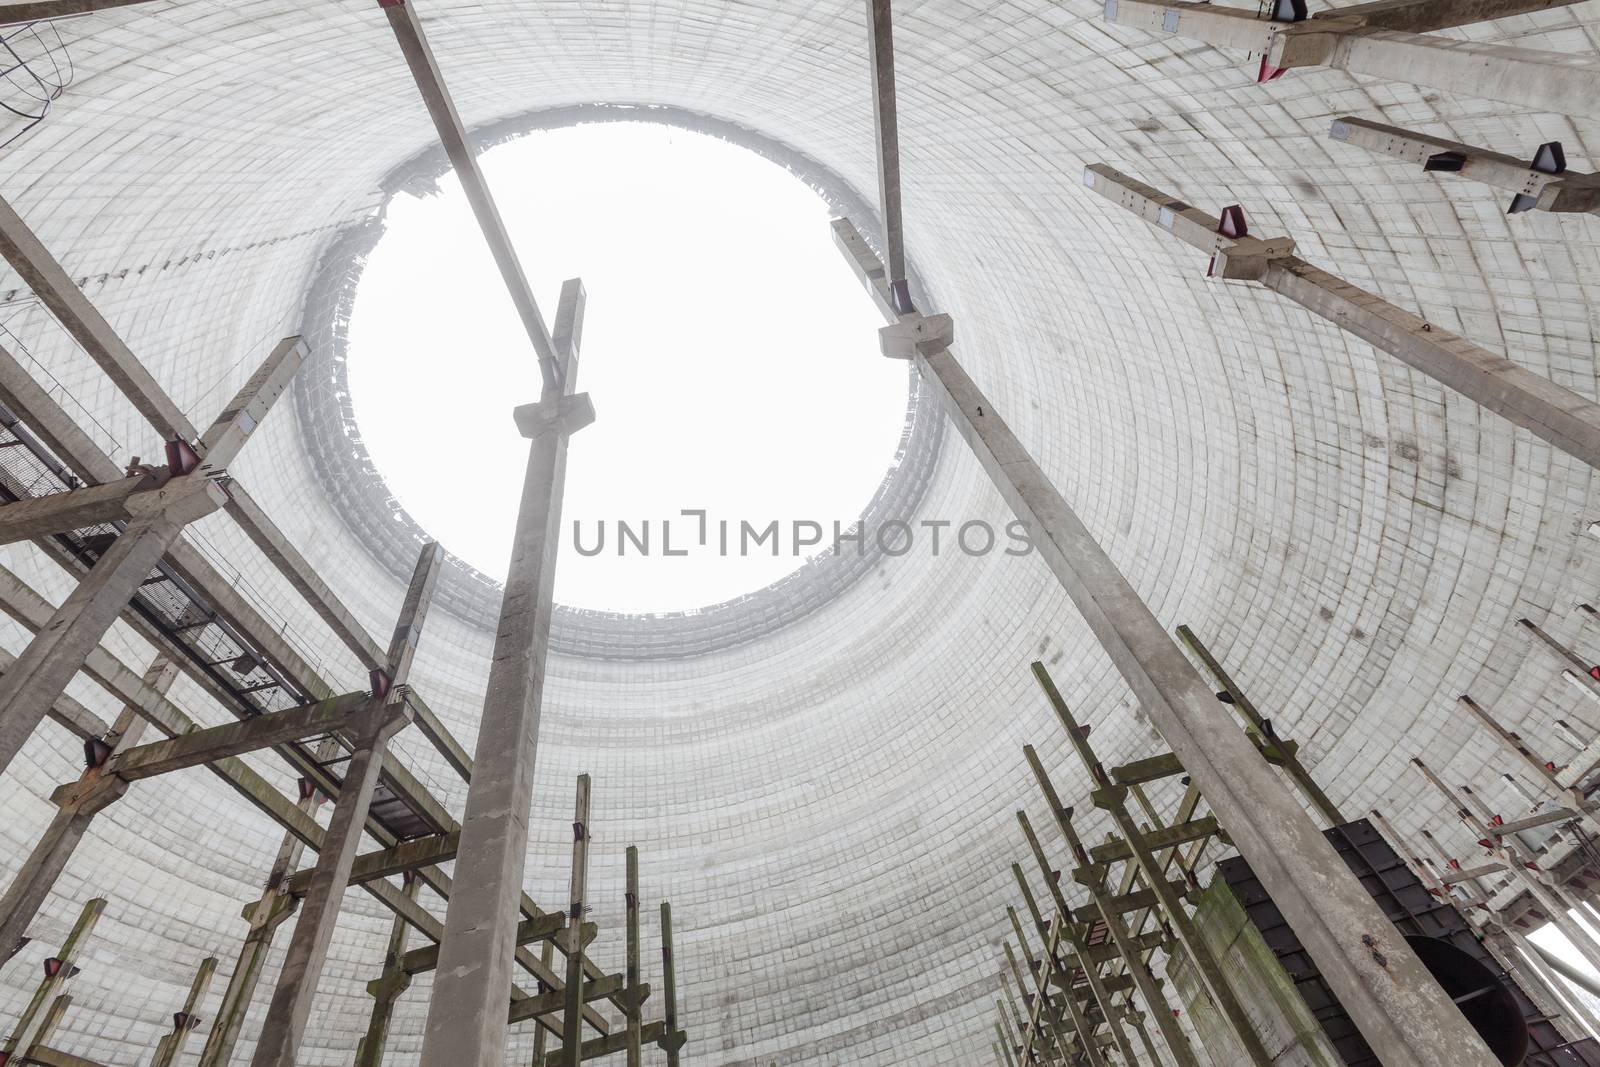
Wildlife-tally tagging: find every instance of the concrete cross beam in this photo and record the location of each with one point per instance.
(1563, 418)
(349, 714)
(1180, 834)
(549, 1003)
(406, 856)
(155, 519)
(1540, 184)
(1383, 40)
(654, 1033)
(41, 673)
(95, 505)
(453, 134)
(12, 14)
(544, 928)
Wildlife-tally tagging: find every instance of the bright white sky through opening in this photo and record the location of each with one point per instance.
(731, 356)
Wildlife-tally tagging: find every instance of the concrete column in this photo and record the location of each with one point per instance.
(636, 1014)
(1004, 1041)
(541, 1035)
(290, 1009)
(36, 1017)
(1399, 1008)
(572, 1017)
(1056, 933)
(42, 672)
(386, 988)
(264, 916)
(1041, 982)
(467, 1015)
(77, 805)
(880, 52)
(672, 1040)
(185, 1021)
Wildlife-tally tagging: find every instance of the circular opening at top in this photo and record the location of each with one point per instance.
(731, 356)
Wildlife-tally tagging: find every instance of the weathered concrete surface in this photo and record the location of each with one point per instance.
(466, 1018)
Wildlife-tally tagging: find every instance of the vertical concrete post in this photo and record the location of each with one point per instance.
(1057, 932)
(669, 985)
(547, 956)
(42, 672)
(290, 1008)
(1003, 1040)
(1397, 1005)
(880, 51)
(572, 1017)
(57, 970)
(387, 987)
(77, 805)
(264, 916)
(185, 1021)
(1093, 880)
(1287, 757)
(467, 1014)
(636, 1006)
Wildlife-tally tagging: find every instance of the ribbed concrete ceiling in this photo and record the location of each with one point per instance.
(829, 807)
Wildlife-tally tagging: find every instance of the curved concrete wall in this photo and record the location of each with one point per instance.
(829, 809)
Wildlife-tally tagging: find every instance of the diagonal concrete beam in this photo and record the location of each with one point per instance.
(55, 288)
(880, 51)
(453, 134)
(340, 714)
(232, 427)
(1551, 189)
(1563, 418)
(12, 14)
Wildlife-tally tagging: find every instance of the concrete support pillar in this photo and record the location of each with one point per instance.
(1003, 1039)
(880, 52)
(42, 672)
(541, 1035)
(1565, 419)
(308, 948)
(264, 916)
(36, 1017)
(467, 1015)
(185, 1021)
(1398, 1006)
(77, 804)
(386, 988)
(572, 1017)
(672, 1040)
(635, 1056)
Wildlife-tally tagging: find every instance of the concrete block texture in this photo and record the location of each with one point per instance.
(828, 806)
